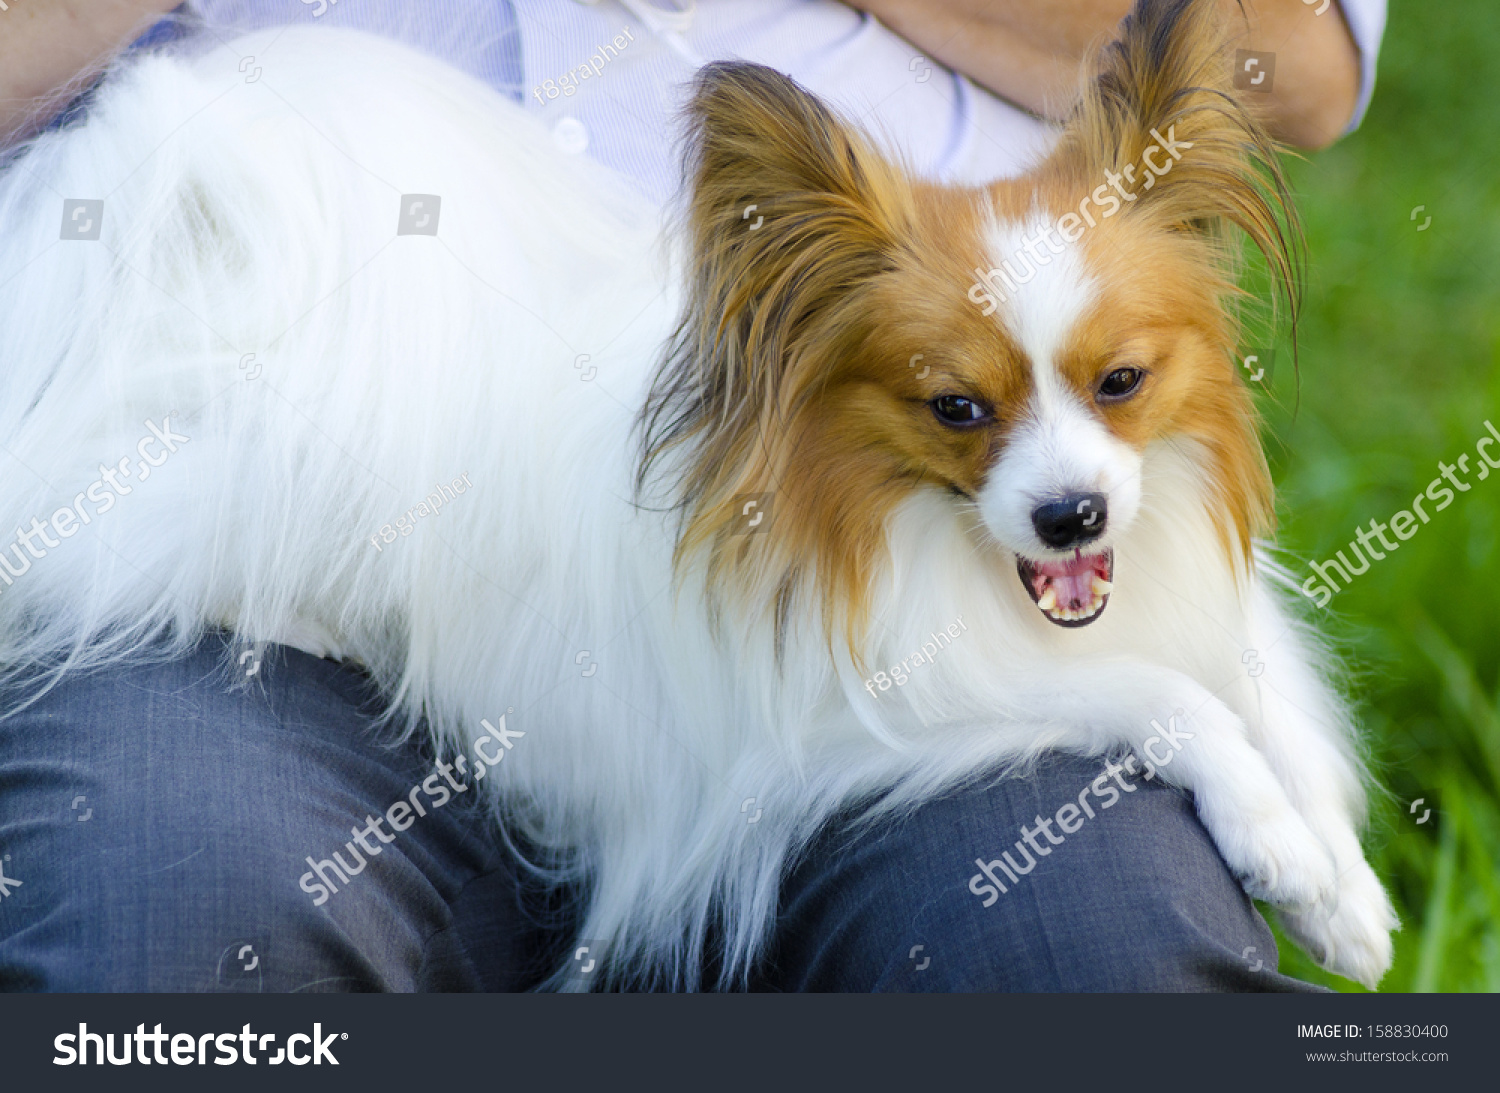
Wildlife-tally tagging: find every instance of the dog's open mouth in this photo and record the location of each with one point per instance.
(1072, 592)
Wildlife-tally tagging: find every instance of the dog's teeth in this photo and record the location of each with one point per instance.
(1101, 586)
(1048, 599)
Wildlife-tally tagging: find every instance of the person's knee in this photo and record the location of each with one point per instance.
(1020, 887)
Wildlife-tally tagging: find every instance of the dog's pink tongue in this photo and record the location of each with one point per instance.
(1072, 580)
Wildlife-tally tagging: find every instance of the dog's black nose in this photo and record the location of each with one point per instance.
(1072, 520)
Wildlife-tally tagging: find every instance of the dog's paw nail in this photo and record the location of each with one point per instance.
(1353, 939)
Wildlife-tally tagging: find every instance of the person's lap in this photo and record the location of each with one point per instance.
(1136, 899)
(160, 817)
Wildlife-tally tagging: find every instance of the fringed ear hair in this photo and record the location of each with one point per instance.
(1162, 93)
(789, 211)
(791, 215)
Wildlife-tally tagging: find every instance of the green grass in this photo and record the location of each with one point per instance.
(1399, 349)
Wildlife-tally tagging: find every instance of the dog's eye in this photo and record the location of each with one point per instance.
(1121, 382)
(958, 411)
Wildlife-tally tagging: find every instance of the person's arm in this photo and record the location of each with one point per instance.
(49, 49)
(1029, 52)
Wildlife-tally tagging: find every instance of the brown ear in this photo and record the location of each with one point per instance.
(789, 211)
(1167, 80)
(790, 215)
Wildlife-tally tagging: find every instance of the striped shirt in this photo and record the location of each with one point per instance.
(609, 77)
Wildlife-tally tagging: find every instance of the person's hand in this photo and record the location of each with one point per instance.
(1030, 52)
(50, 48)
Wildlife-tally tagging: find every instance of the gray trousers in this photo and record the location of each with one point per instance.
(160, 831)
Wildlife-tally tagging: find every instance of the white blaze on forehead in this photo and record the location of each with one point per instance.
(1060, 446)
(1051, 292)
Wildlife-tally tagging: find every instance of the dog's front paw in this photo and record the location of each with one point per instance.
(1351, 938)
(1277, 858)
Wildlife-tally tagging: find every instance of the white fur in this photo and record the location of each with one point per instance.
(1058, 447)
(260, 218)
(1043, 309)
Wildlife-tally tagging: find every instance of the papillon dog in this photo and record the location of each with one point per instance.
(720, 468)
